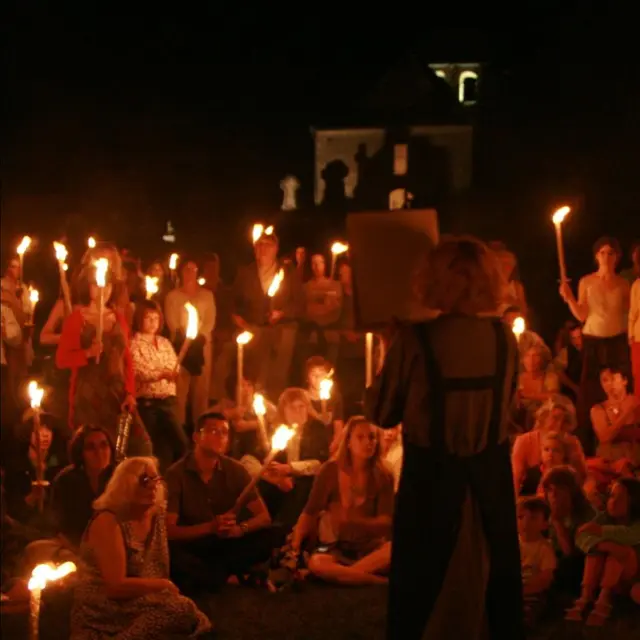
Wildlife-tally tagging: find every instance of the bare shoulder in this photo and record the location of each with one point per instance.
(103, 527)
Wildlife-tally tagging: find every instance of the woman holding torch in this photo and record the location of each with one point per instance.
(602, 305)
(102, 380)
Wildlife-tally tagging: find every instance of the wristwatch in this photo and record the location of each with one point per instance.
(244, 527)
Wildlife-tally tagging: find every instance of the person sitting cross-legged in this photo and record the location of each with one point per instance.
(210, 539)
(350, 511)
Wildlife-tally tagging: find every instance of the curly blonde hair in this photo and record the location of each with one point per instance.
(461, 275)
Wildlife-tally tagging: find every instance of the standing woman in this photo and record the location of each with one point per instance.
(99, 390)
(603, 306)
(450, 381)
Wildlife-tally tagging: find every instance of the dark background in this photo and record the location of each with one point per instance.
(116, 123)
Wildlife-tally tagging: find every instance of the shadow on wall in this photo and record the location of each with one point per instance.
(428, 175)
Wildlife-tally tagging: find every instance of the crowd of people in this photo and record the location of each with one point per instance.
(471, 438)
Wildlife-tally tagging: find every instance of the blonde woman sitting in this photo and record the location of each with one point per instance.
(124, 589)
(350, 510)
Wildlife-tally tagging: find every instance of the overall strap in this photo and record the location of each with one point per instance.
(502, 359)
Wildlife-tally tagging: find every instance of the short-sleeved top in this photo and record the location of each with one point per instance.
(197, 502)
(325, 496)
(536, 557)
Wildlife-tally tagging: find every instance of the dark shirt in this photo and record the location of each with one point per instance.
(252, 304)
(195, 502)
(72, 501)
(334, 406)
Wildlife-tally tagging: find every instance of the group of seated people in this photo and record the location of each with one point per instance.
(578, 516)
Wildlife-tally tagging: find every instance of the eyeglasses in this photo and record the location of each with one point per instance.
(218, 431)
(145, 480)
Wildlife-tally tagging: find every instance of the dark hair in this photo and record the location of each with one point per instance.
(607, 241)
(565, 477)
(534, 504)
(209, 415)
(76, 445)
(142, 308)
(616, 369)
(316, 361)
(632, 485)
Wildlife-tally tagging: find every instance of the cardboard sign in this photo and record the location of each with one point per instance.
(385, 249)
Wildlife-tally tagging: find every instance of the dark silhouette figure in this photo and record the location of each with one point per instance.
(335, 199)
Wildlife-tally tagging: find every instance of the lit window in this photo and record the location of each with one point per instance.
(467, 84)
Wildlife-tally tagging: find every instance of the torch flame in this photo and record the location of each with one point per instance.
(202, 281)
(43, 574)
(519, 326)
(36, 394)
(269, 230)
(151, 286)
(91, 242)
(245, 337)
(325, 388)
(339, 247)
(61, 251)
(102, 266)
(275, 283)
(173, 261)
(259, 406)
(192, 322)
(34, 295)
(24, 245)
(258, 230)
(560, 215)
(281, 437)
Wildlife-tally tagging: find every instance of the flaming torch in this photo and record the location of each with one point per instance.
(36, 394)
(25, 243)
(102, 266)
(274, 286)
(518, 327)
(244, 338)
(337, 249)
(41, 576)
(279, 442)
(151, 286)
(326, 385)
(91, 242)
(61, 257)
(191, 332)
(256, 232)
(173, 265)
(260, 409)
(558, 219)
(34, 298)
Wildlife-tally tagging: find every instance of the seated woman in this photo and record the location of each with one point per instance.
(537, 382)
(301, 461)
(74, 491)
(124, 588)
(616, 423)
(612, 544)
(353, 498)
(328, 411)
(23, 495)
(568, 359)
(570, 509)
(559, 415)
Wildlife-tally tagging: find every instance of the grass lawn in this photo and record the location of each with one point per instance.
(332, 613)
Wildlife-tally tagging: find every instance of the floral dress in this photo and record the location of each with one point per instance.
(159, 615)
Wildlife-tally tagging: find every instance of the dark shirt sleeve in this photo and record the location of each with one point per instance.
(174, 491)
(319, 497)
(293, 308)
(386, 398)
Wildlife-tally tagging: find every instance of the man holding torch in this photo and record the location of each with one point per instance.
(210, 538)
(270, 312)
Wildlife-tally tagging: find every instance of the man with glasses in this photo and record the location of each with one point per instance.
(210, 539)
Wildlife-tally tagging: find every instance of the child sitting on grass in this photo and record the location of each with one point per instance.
(537, 557)
(612, 544)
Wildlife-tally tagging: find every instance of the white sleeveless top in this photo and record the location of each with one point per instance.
(608, 308)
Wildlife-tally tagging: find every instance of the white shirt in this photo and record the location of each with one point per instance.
(634, 312)
(607, 307)
(11, 332)
(177, 317)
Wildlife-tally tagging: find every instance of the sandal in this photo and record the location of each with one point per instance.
(600, 614)
(576, 612)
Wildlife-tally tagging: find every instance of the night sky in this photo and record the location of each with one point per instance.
(114, 124)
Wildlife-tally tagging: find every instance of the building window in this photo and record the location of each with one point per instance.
(467, 87)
